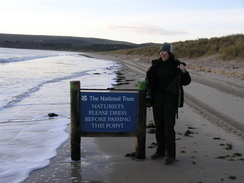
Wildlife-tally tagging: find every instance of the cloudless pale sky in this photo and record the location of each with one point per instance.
(137, 21)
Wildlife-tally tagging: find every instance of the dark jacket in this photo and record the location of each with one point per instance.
(175, 87)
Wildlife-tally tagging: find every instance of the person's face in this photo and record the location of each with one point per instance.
(164, 55)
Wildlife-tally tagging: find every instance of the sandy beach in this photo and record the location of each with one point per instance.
(210, 134)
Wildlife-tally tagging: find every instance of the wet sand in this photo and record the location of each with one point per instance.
(206, 153)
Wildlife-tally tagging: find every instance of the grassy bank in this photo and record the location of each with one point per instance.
(228, 47)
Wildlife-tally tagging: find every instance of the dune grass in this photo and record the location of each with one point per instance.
(228, 47)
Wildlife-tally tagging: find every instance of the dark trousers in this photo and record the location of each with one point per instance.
(164, 113)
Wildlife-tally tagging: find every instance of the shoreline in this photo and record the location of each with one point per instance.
(198, 154)
(63, 169)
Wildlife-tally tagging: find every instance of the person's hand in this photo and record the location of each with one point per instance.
(147, 69)
(182, 68)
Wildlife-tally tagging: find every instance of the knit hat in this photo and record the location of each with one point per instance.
(167, 47)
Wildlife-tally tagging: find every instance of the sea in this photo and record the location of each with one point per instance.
(34, 83)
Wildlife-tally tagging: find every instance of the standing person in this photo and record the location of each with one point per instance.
(165, 79)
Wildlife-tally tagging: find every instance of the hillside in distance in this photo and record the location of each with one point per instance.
(227, 47)
(63, 43)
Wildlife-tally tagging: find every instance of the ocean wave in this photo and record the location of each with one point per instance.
(24, 58)
(18, 98)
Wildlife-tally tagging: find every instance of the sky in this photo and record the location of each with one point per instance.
(136, 21)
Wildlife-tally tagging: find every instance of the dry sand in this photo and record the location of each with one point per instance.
(202, 155)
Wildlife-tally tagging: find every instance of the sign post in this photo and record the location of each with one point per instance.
(108, 113)
(141, 120)
(75, 120)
